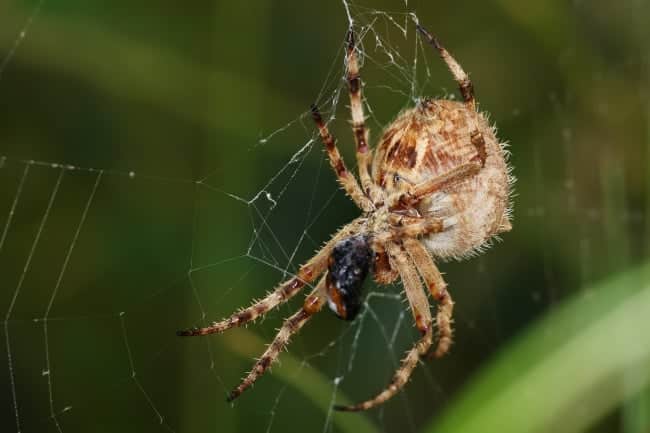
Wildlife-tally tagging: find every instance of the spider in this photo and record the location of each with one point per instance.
(436, 185)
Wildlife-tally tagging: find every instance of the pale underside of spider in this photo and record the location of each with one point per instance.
(436, 185)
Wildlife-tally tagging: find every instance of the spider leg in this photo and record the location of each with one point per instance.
(364, 153)
(465, 85)
(438, 289)
(460, 76)
(412, 227)
(346, 179)
(418, 302)
(313, 303)
(399, 379)
(416, 226)
(420, 308)
(285, 291)
(419, 191)
(383, 272)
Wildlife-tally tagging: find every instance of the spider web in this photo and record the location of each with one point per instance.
(152, 182)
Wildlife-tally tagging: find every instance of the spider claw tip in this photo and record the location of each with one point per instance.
(315, 113)
(343, 408)
(433, 40)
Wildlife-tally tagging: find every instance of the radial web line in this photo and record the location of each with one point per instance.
(12, 211)
(48, 372)
(46, 214)
(21, 37)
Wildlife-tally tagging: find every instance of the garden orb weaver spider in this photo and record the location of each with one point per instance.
(436, 185)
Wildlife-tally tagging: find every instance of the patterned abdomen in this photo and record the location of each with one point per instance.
(428, 141)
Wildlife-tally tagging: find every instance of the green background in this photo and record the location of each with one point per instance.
(192, 121)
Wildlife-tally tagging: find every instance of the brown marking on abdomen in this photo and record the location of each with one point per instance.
(444, 158)
(430, 161)
(412, 157)
(387, 139)
(390, 154)
(402, 154)
(382, 178)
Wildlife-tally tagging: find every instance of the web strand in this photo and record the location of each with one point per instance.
(21, 280)
(285, 215)
(48, 371)
(21, 37)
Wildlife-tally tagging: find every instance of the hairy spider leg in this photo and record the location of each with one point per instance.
(383, 272)
(460, 76)
(400, 378)
(359, 130)
(438, 289)
(420, 308)
(346, 179)
(409, 227)
(412, 286)
(403, 226)
(415, 193)
(466, 89)
(313, 304)
(285, 291)
(415, 227)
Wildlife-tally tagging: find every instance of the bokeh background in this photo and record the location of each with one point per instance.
(158, 171)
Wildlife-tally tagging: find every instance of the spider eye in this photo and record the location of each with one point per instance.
(349, 265)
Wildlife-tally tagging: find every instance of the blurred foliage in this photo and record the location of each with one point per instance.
(578, 364)
(160, 96)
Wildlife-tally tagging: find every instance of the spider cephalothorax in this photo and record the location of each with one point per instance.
(436, 185)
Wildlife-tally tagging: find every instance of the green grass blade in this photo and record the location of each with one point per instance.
(569, 370)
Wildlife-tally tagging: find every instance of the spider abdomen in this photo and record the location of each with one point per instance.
(430, 140)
